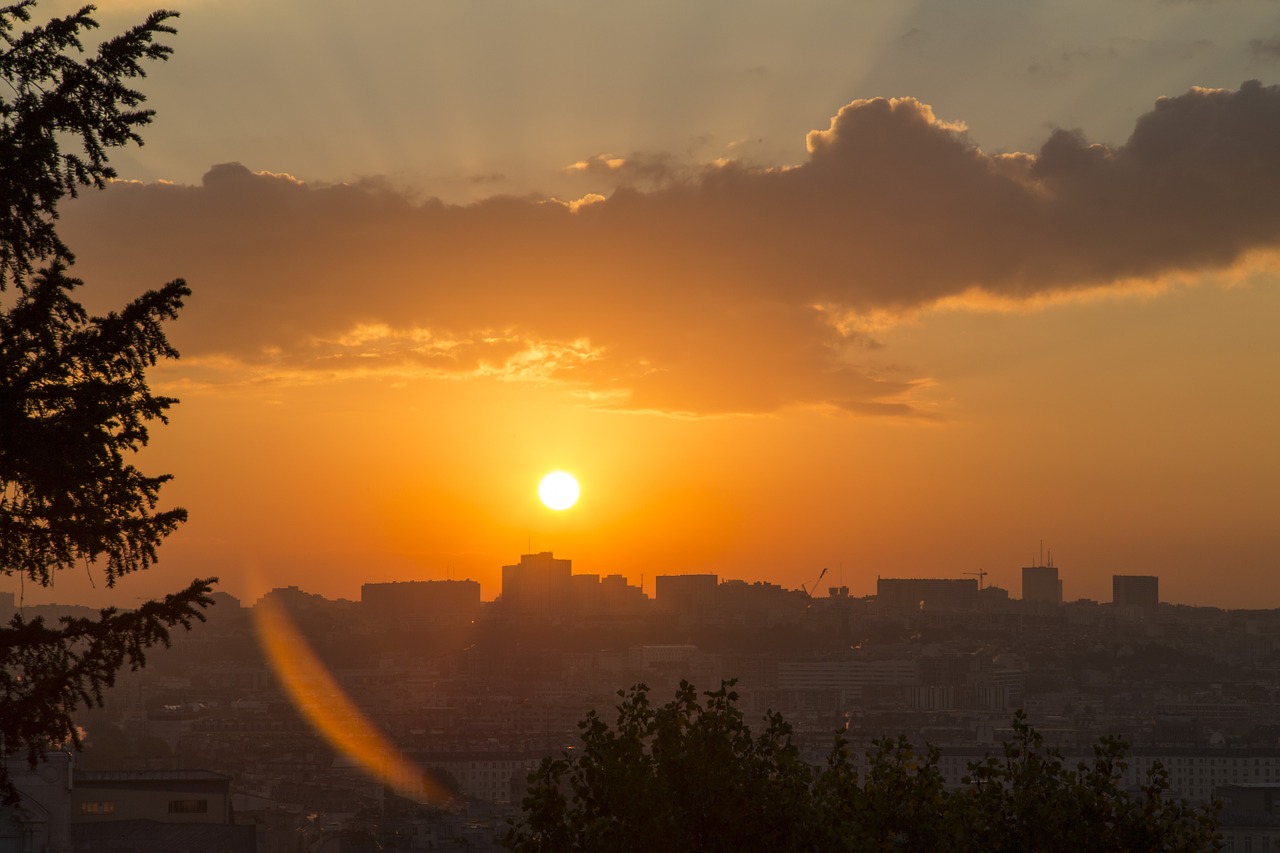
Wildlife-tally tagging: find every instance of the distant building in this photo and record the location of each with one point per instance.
(42, 820)
(1250, 817)
(688, 596)
(171, 796)
(150, 811)
(910, 595)
(493, 775)
(66, 810)
(584, 590)
(538, 586)
(592, 596)
(993, 598)
(432, 601)
(1136, 596)
(853, 677)
(619, 598)
(759, 603)
(1041, 584)
(1196, 774)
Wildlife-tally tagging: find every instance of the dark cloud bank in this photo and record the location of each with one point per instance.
(724, 291)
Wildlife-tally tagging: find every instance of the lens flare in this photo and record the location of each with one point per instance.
(332, 713)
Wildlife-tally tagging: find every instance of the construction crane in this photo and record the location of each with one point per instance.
(808, 591)
(980, 573)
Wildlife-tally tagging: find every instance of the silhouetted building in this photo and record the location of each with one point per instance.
(760, 603)
(909, 595)
(538, 586)
(434, 601)
(584, 590)
(42, 820)
(619, 598)
(1136, 596)
(1041, 584)
(993, 599)
(610, 596)
(688, 596)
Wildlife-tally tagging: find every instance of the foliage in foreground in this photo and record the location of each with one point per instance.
(74, 399)
(691, 776)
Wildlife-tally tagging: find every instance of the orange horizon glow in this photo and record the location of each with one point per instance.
(864, 321)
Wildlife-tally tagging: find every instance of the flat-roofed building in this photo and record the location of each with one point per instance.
(689, 596)
(1041, 584)
(1136, 596)
(912, 595)
(172, 796)
(538, 586)
(434, 601)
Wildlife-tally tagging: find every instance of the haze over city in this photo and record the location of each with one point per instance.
(894, 289)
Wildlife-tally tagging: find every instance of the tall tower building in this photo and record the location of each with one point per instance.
(1041, 584)
(1136, 596)
(537, 586)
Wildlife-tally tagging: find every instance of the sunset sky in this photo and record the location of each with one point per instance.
(898, 289)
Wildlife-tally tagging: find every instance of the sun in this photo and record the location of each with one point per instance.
(558, 490)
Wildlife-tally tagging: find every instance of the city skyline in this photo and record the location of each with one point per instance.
(538, 581)
(780, 288)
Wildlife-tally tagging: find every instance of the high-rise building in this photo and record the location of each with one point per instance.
(537, 586)
(1041, 584)
(1136, 596)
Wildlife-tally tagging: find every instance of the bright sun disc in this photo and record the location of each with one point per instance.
(558, 490)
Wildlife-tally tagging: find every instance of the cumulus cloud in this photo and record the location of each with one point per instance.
(736, 289)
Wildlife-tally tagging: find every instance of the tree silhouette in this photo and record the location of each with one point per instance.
(685, 776)
(74, 399)
(692, 776)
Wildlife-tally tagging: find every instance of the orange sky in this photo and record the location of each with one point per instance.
(879, 346)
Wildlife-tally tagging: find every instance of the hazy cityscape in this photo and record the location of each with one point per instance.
(474, 694)
(796, 315)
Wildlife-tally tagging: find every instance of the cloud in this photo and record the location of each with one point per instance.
(1089, 56)
(600, 163)
(913, 36)
(376, 349)
(735, 288)
(1265, 50)
(642, 171)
